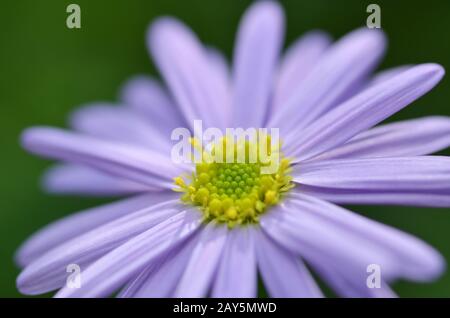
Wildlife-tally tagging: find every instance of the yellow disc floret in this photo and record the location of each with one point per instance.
(235, 193)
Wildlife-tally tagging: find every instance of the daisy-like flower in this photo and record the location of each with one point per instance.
(229, 223)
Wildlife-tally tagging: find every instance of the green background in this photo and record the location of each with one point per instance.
(47, 70)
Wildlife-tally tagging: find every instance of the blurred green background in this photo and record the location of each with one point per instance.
(47, 70)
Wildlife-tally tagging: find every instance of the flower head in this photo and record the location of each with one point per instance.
(227, 221)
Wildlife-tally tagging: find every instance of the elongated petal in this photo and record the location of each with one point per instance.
(221, 66)
(119, 123)
(161, 278)
(343, 283)
(185, 65)
(341, 67)
(304, 235)
(418, 260)
(134, 284)
(389, 73)
(283, 273)
(258, 44)
(81, 180)
(407, 138)
(147, 97)
(114, 269)
(221, 76)
(198, 275)
(399, 179)
(236, 275)
(298, 61)
(49, 270)
(134, 163)
(65, 229)
(322, 232)
(364, 111)
(375, 197)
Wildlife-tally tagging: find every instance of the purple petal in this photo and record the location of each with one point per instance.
(406, 138)
(344, 285)
(134, 285)
(221, 76)
(421, 180)
(364, 111)
(65, 229)
(320, 242)
(134, 163)
(345, 64)
(48, 272)
(373, 197)
(146, 96)
(258, 44)
(161, 278)
(283, 273)
(220, 65)
(387, 74)
(202, 265)
(188, 71)
(322, 232)
(297, 63)
(118, 123)
(236, 275)
(419, 260)
(114, 269)
(80, 180)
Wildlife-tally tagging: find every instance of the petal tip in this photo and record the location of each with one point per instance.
(23, 284)
(430, 73)
(265, 10)
(437, 70)
(434, 267)
(30, 136)
(164, 28)
(369, 37)
(20, 258)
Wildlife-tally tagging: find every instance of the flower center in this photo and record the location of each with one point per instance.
(236, 193)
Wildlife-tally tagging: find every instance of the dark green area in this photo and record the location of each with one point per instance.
(47, 70)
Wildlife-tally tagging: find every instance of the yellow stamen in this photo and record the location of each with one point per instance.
(234, 193)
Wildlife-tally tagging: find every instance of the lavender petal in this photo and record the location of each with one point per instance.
(364, 111)
(236, 274)
(322, 232)
(190, 75)
(345, 64)
(343, 283)
(74, 225)
(400, 139)
(113, 270)
(81, 180)
(119, 123)
(296, 64)
(387, 74)
(134, 163)
(258, 44)
(147, 97)
(48, 272)
(283, 273)
(199, 272)
(401, 179)
(160, 279)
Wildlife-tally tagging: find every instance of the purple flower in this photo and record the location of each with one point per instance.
(225, 226)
